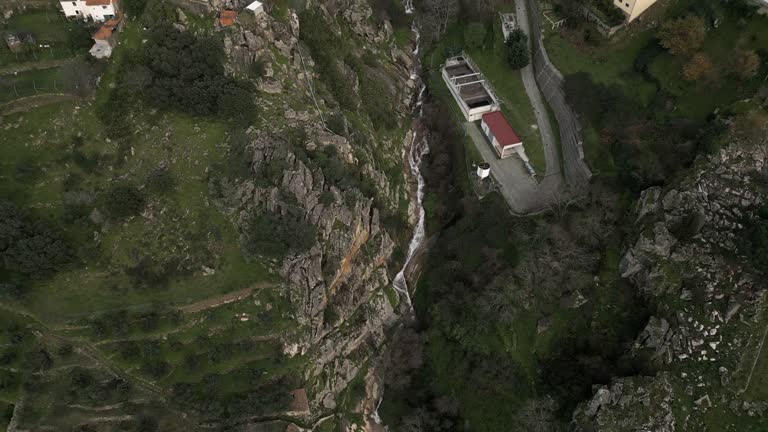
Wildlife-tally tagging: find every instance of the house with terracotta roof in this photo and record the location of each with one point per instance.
(503, 138)
(97, 10)
(227, 18)
(105, 38)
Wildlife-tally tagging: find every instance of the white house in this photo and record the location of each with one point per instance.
(256, 8)
(633, 8)
(97, 10)
(504, 139)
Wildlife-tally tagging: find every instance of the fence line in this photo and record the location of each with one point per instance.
(550, 82)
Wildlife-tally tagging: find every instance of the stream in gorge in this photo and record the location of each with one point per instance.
(419, 147)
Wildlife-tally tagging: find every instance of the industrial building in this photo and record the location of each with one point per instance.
(469, 87)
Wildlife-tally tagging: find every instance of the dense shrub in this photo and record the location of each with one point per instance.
(276, 235)
(134, 8)
(29, 244)
(123, 200)
(161, 181)
(328, 52)
(757, 240)
(518, 55)
(188, 76)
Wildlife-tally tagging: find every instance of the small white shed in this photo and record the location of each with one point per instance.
(256, 8)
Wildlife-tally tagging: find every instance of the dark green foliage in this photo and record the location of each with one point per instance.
(757, 240)
(474, 35)
(124, 200)
(328, 52)
(276, 235)
(262, 397)
(161, 181)
(134, 8)
(646, 150)
(270, 173)
(176, 71)
(391, 10)
(612, 14)
(337, 124)
(30, 245)
(327, 198)
(518, 54)
(27, 171)
(188, 76)
(258, 68)
(78, 37)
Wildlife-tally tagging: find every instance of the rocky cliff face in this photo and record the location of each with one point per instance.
(707, 334)
(341, 287)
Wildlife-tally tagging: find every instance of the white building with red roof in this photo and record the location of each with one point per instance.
(503, 138)
(97, 10)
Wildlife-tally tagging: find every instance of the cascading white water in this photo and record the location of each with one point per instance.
(418, 150)
(409, 9)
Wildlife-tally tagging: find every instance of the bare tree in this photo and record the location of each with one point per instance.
(438, 15)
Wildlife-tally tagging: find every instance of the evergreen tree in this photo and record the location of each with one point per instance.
(518, 55)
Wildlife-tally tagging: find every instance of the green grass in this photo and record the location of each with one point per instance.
(612, 63)
(29, 83)
(506, 82)
(48, 26)
(509, 87)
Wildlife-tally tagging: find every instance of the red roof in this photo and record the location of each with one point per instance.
(501, 129)
(98, 2)
(227, 17)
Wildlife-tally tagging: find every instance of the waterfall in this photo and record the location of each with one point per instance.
(409, 9)
(419, 148)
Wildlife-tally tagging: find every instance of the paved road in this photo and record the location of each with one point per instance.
(521, 192)
(550, 82)
(551, 152)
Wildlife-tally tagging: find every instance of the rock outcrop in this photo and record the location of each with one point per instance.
(688, 258)
(339, 288)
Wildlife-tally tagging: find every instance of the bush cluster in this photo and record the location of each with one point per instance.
(29, 244)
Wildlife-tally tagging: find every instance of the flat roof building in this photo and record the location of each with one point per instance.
(469, 87)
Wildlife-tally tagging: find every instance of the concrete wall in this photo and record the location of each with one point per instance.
(550, 82)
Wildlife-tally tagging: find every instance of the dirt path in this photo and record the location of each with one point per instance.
(30, 66)
(31, 102)
(225, 299)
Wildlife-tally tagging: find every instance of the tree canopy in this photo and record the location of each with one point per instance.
(683, 36)
(29, 244)
(518, 54)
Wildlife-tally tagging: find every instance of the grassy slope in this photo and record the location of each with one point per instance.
(41, 139)
(612, 63)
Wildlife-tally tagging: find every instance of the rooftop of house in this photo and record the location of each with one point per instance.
(227, 18)
(98, 2)
(253, 6)
(501, 129)
(300, 403)
(106, 31)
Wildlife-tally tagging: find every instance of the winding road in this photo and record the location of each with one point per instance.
(544, 85)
